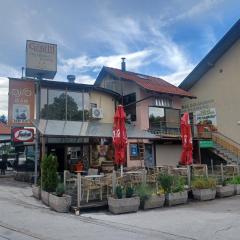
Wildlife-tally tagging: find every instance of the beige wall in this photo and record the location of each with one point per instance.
(222, 84)
(106, 102)
(168, 154)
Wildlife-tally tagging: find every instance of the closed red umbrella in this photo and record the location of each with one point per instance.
(120, 136)
(187, 147)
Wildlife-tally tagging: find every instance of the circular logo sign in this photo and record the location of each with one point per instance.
(23, 135)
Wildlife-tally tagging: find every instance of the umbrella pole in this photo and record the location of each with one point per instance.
(121, 170)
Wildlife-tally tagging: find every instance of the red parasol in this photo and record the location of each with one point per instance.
(186, 134)
(119, 135)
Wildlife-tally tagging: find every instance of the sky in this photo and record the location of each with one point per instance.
(160, 38)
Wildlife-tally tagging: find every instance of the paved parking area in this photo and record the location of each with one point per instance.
(23, 217)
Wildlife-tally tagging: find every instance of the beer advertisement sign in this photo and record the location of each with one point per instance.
(21, 101)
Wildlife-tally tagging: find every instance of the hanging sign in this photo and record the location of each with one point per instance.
(21, 101)
(23, 135)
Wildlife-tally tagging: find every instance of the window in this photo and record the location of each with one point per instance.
(64, 105)
(163, 118)
(163, 102)
(131, 109)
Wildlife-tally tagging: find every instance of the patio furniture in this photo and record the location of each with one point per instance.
(92, 171)
(90, 185)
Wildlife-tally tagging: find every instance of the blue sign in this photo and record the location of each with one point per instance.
(134, 150)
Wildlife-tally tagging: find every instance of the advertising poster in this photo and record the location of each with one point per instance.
(21, 101)
(206, 116)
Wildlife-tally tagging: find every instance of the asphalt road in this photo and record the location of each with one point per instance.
(23, 217)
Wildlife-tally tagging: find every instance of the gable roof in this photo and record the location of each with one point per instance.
(212, 57)
(147, 82)
(4, 129)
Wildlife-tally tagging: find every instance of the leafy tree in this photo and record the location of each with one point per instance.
(3, 119)
(49, 173)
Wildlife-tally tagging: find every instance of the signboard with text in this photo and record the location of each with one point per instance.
(21, 99)
(41, 59)
(23, 135)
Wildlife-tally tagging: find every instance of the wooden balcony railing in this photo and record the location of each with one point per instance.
(172, 129)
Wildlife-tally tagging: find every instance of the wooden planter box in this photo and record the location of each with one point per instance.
(60, 204)
(123, 205)
(225, 191)
(45, 197)
(204, 194)
(237, 189)
(176, 198)
(155, 201)
(36, 190)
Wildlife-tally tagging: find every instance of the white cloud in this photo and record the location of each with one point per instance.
(4, 95)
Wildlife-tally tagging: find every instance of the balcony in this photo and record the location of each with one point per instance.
(172, 130)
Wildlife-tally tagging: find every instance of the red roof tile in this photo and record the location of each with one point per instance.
(150, 83)
(4, 129)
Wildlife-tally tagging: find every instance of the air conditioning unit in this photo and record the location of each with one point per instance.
(97, 113)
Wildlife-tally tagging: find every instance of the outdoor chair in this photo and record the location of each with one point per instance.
(92, 171)
(107, 182)
(89, 186)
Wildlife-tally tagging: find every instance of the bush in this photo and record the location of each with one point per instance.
(129, 192)
(144, 192)
(204, 183)
(49, 173)
(60, 190)
(171, 183)
(119, 192)
(234, 180)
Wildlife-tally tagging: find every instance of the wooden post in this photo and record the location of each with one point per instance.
(189, 175)
(144, 176)
(212, 166)
(206, 171)
(222, 177)
(79, 190)
(114, 181)
(64, 178)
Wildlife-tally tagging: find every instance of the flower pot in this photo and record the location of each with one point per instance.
(123, 205)
(154, 201)
(237, 189)
(60, 204)
(176, 198)
(225, 191)
(204, 194)
(36, 192)
(45, 197)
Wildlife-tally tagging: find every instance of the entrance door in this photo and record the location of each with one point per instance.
(148, 156)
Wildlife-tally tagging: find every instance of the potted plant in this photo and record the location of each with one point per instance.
(49, 177)
(59, 201)
(124, 201)
(236, 182)
(36, 190)
(227, 189)
(204, 188)
(150, 198)
(173, 187)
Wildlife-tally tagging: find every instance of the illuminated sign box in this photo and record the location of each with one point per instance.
(41, 59)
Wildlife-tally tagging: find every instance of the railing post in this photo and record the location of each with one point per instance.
(212, 166)
(79, 190)
(222, 177)
(144, 176)
(64, 178)
(114, 181)
(206, 171)
(189, 175)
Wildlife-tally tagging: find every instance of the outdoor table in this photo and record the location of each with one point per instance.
(134, 172)
(94, 176)
(80, 172)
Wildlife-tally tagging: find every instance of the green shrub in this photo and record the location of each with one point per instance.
(119, 192)
(234, 180)
(203, 183)
(49, 173)
(171, 183)
(60, 190)
(129, 191)
(144, 192)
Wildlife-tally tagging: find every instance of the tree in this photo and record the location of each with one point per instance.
(3, 119)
